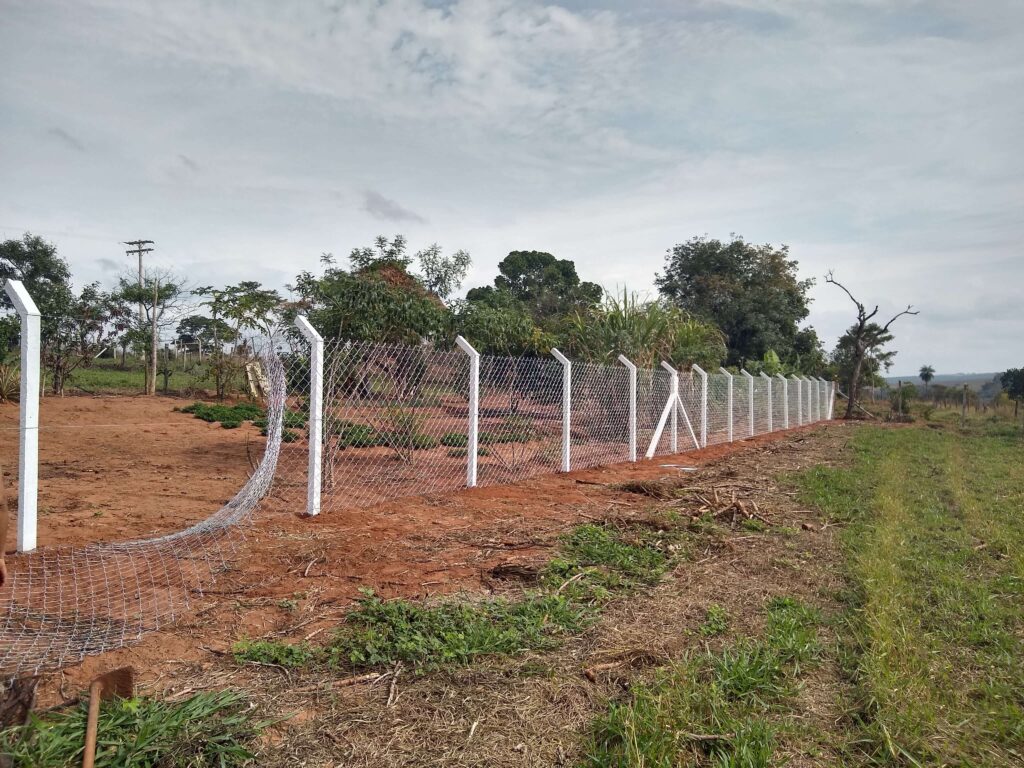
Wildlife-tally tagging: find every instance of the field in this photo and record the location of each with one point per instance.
(845, 594)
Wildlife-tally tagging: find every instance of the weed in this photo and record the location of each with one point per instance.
(382, 632)
(273, 652)
(205, 730)
(455, 440)
(716, 621)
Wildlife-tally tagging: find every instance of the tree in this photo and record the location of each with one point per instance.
(161, 297)
(495, 329)
(547, 287)
(442, 275)
(205, 332)
(864, 337)
(751, 292)
(927, 373)
(247, 305)
(1013, 384)
(874, 361)
(380, 302)
(73, 329)
(647, 332)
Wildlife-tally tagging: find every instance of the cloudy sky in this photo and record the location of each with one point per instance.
(881, 139)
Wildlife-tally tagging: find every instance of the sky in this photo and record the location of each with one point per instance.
(879, 139)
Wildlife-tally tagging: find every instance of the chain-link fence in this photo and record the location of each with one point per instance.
(400, 420)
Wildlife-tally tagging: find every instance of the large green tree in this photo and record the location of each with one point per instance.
(548, 288)
(751, 292)
(380, 298)
(74, 328)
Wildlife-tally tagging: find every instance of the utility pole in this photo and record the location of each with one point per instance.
(138, 248)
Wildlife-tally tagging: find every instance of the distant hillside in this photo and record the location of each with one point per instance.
(972, 380)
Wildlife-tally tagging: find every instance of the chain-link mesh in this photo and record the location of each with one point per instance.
(600, 414)
(63, 604)
(762, 406)
(718, 408)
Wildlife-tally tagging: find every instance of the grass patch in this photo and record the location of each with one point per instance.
(712, 708)
(934, 550)
(595, 564)
(205, 730)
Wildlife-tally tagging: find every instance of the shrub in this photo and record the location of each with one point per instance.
(357, 435)
(455, 440)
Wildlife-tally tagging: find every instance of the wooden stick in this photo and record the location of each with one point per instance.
(91, 725)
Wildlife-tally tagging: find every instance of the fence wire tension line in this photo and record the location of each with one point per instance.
(353, 424)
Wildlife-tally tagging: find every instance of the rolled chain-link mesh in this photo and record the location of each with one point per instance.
(62, 604)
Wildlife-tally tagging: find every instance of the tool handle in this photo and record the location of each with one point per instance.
(91, 726)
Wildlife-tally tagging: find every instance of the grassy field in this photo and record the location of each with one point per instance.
(933, 641)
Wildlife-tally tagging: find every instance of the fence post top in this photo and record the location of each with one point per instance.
(780, 376)
(466, 347)
(698, 369)
(721, 369)
(560, 357)
(627, 362)
(668, 367)
(745, 373)
(765, 375)
(15, 289)
(306, 329)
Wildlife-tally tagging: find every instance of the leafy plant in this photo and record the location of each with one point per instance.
(272, 652)
(10, 383)
(716, 621)
(207, 730)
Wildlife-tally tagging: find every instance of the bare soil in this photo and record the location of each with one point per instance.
(156, 471)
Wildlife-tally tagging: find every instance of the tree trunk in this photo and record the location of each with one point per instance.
(851, 401)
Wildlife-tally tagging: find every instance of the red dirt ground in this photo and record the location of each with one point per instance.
(132, 467)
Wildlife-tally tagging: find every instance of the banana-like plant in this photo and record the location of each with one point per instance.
(645, 331)
(10, 383)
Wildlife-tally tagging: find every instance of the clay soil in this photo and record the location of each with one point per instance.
(132, 467)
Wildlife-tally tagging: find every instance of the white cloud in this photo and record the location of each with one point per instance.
(876, 138)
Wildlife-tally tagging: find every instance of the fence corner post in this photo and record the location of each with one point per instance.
(314, 486)
(750, 398)
(728, 401)
(566, 409)
(785, 400)
(674, 396)
(771, 403)
(473, 435)
(703, 405)
(632, 405)
(28, 449)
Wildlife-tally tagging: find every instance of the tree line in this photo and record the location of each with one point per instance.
(731, 303)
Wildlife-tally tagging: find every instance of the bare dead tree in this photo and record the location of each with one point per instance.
(863, 341)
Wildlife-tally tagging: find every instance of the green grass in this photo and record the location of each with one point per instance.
(724, 708)
(206, 730)
(934, 547)
(595, 565)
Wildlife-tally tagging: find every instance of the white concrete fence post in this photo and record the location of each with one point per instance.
(473, 428)
(799, 402)
(674, 433)
(810, 410)
(771, 403)
(632, 405)
(831, 399)
(728, 401)
(750, 398)
(566, 408)
(703, 405)
(314, 486)
(785, 400)
(28, 450)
